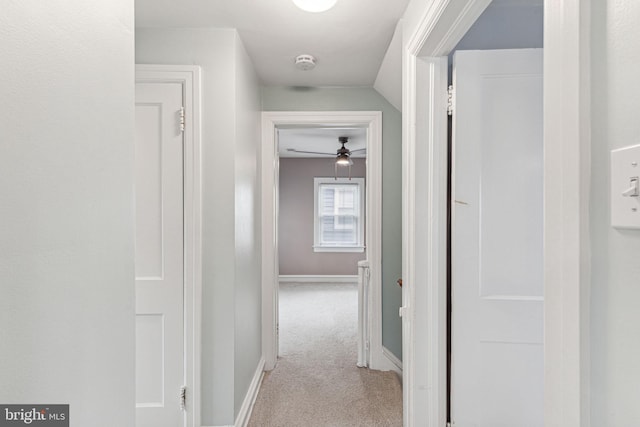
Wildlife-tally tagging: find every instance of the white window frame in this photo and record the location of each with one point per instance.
(359, 246)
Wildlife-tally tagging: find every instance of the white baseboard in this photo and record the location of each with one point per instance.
(383, 360)
(394, 364)
(286, 278)
(250, 399)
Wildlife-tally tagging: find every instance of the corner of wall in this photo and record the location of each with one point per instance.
(389, 79)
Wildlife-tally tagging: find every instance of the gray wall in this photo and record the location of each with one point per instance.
(615, 254)
(506, 27)
(503, 27)
(231, 337)
(296, 215)
(66, 235)
(366, 99)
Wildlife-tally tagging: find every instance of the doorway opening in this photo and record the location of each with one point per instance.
(321, 235)
(425, 203)
(371, 123)
(495, 210)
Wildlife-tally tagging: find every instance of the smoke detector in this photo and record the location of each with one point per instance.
(305, 62)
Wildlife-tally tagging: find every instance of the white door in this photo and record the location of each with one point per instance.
(497, 271)
(159, 255)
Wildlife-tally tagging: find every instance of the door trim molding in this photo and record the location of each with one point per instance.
(189, 77)
(424, 242)
(566, 199)
(372, 121)
(291, 278)
(567, 168)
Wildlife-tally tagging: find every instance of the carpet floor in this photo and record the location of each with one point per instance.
(316, 382)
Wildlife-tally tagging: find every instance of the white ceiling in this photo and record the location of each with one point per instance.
(348, 41)
(323, 140)
(517, 3)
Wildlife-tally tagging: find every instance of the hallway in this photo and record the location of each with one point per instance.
(316, 382)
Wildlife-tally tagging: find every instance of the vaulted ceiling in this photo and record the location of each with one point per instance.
(348, 41)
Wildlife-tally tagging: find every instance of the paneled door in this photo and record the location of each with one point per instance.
(160, 348)
(497, 226)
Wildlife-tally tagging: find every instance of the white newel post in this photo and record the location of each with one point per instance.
(363, 314)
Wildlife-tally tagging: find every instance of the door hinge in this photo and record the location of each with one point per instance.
(181, 119)
(183, 398)
(450, 100)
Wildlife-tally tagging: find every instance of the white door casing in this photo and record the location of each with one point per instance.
(372, 121)
(497, 268)
(424, 200)
(167, 245)
(426, 44)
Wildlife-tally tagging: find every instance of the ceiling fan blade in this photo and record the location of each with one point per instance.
(359, 149)
(293, 150)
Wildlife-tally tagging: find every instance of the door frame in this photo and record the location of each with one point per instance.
(271, 121)
(566, 208)
(189, 77)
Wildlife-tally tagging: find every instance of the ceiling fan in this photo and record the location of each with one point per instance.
(343, 154)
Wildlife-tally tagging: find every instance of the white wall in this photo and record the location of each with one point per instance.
(615, 317)
(230, 194)
(248, 220)
(413, 14)
(66, 235)
(389, 79)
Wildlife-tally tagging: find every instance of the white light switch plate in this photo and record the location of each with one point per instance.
(625, 166)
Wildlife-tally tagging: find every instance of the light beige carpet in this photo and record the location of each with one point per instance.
(316, 382)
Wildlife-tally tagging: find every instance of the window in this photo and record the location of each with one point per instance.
(339, 215)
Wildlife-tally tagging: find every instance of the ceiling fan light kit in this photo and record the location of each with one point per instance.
(343, 160)
(315, 6)
(343, 155)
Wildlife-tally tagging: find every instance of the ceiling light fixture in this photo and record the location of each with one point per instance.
(343, 156)
(315, 5)
(343, 160)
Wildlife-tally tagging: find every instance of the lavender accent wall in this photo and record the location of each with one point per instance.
(296, 220)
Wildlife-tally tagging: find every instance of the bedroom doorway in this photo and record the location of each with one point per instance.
(273, 123)
(321, 242)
